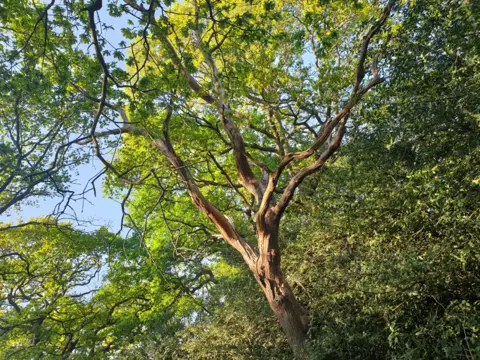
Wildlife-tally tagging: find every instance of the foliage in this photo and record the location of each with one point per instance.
(207, 117)
(396, 241)
(70, 294)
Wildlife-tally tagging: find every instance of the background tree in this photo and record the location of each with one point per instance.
(67, 294)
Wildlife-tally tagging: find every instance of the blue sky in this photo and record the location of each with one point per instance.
(99, 210)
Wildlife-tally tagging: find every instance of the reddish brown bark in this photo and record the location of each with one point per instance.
(292, 316)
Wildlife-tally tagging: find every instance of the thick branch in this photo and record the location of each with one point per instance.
(246, 175)
(228, 231)
(360, 71)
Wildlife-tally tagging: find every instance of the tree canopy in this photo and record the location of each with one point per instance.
(328, 148)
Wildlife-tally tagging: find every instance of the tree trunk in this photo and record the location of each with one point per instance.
(290, 313)
(293, 318)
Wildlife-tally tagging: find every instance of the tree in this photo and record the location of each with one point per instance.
(46, 272)
(264, 262)
(69, 294)
(227, 104)
(41, 120)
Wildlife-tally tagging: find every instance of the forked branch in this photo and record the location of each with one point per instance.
(338, 122)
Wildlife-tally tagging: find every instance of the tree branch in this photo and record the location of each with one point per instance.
(338, 122)
(246, 175)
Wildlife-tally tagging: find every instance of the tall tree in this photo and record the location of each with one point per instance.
(230, 104)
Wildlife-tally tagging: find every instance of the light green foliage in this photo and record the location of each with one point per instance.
(68, 294)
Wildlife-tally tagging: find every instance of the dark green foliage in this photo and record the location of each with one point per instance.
(389, 261)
